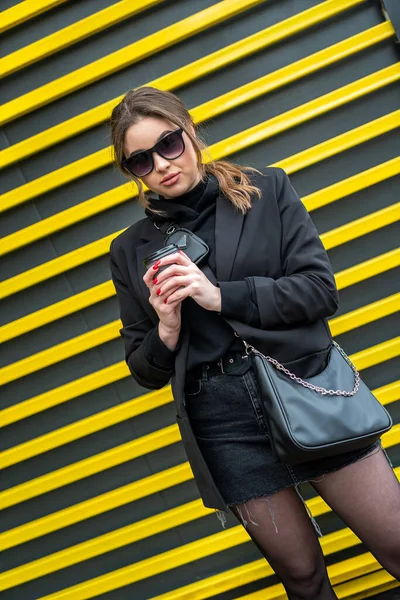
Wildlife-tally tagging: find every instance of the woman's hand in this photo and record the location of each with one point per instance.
(169, 315)
(183, 279)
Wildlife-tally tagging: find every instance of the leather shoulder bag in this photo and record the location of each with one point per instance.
(316, 418)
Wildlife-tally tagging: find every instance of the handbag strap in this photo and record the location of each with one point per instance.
(166, 227)
(307, 384)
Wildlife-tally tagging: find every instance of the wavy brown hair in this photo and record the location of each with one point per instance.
(142, 102)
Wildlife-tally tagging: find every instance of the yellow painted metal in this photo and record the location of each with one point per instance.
(90, 466)
(191, 72)
(353, 184)
(365, 314)
(110, 458)
(234, 536)
(359, 227)
(105, 290)
(110, 331)
(377, 354)
(120, 59)
(340, 143)
(60, 352)
(57, 311)
(246, 138)
(63, 393)
(23, 11)
(369, 585)
(114, 499)
(107, 418)
(369, 268)
(127, 410)
(97, 505)
(205, 111)
(388, 393)
(115, 372)
(72, 34)
(339, 573)
(317, 107)
(100, 247)
(133, 533)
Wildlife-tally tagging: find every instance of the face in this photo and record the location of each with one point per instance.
(170, 177)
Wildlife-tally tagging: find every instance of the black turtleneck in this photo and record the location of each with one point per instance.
(210, 335)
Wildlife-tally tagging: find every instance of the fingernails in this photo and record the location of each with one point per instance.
(155, 267)
(155, 280)
(158, 292)
(166, 300)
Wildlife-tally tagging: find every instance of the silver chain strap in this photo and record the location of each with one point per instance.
(306, 384)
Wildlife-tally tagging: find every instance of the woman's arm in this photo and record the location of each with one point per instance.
(306, 292)
(148, 357)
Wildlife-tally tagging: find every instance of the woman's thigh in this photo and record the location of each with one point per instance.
(366, 496)
(281, 528)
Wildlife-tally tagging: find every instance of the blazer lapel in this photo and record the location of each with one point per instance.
(228, 227)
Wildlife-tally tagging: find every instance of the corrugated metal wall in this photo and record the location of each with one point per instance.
(98, 500)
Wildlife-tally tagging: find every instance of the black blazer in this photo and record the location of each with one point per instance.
(276, 244)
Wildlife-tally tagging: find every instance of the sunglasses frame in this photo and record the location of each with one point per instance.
(150, 151)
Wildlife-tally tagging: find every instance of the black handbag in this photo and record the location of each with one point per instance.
(315, 418)
(184, 239)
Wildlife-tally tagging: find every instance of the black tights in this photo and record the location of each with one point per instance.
(365, 495)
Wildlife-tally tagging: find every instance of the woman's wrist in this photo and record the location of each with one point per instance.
(168, 337)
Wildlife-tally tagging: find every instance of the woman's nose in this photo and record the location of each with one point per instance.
(160, 163)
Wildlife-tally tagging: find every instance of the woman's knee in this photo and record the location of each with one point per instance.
(306, 580)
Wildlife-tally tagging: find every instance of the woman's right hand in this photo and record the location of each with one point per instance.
(169, 315)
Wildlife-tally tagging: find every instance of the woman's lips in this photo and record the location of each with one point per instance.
(172, 180)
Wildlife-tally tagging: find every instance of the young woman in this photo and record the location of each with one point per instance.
(266, 279)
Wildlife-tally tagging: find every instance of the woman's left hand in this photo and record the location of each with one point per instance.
(184, 274)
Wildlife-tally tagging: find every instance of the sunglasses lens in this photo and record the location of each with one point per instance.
(171, 146)
(140, 164)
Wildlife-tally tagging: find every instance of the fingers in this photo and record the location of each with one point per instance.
(178, 259)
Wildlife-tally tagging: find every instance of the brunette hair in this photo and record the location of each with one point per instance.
(141, 102)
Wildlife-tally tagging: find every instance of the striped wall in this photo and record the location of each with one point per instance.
(98, 499)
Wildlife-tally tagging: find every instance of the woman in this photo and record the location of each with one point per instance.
(267, 279)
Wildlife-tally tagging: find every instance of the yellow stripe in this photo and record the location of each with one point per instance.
(359, 227)
(182, 555)
(97, 505)
(111, 500)
(340, 575)
(353, 184)
(199, 68)
(90, 466)
(367, 269)
(168, 435)
(365, 314)
(79, 429)
(243, 139)
(342, 142)
(122, 537)
(57, 310)
(115, 372)
(23, 11)
(110, 331)
(72, 34)
(95, 249)
(205, 111)
(367, 586)
(120, 59)
(127, 410)
(105, 290)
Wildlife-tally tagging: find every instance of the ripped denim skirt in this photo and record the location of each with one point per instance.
(225, 412)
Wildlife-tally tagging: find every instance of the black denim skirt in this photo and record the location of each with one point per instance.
(227, 420)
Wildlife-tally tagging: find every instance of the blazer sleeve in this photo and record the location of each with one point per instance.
(149, 360)
(307, 290)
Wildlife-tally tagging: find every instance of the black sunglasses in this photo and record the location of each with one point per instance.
(141, 163)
